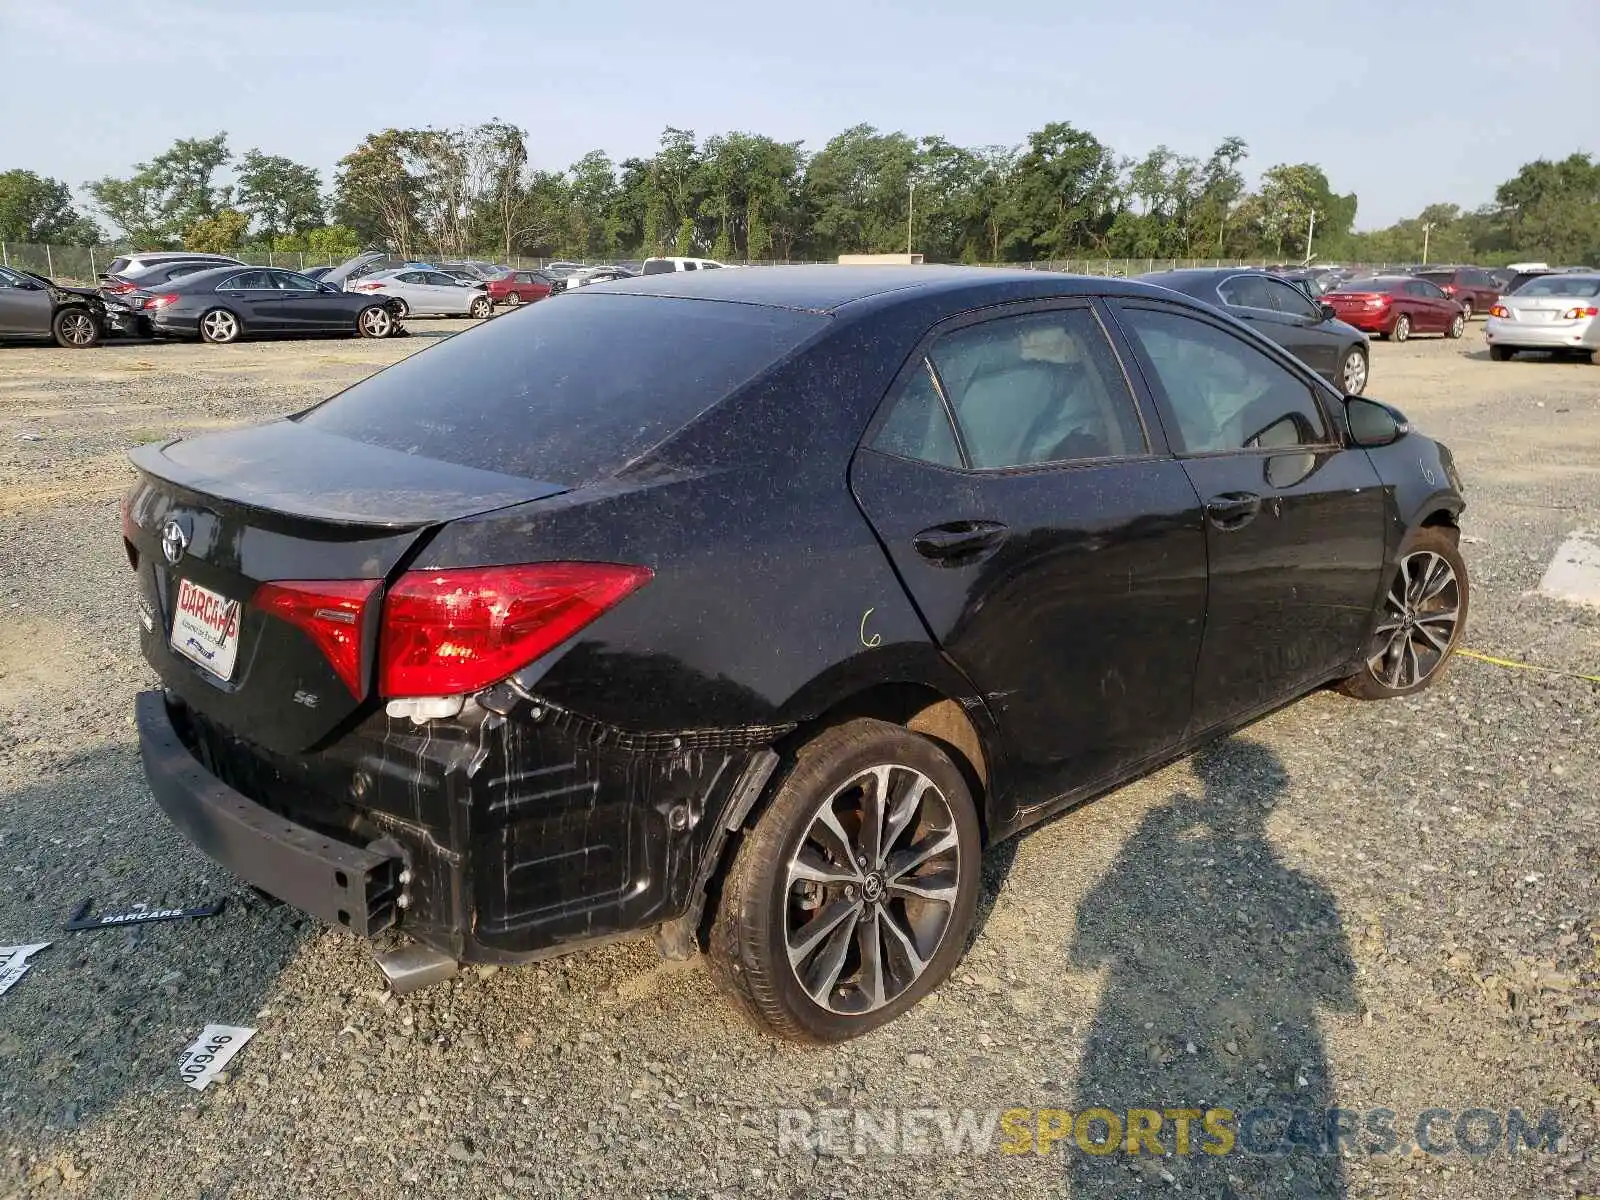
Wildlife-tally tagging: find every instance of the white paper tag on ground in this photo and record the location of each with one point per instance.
(14, 963)
(211, 1052)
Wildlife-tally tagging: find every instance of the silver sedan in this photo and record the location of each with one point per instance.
(428, 293)
(1551, 312)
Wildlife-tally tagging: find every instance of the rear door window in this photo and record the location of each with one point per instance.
(1037, 388)
(570, 392)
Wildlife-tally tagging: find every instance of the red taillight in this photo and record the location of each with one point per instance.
(1449, 289)
(460, 630)
(120, 289)
(369, 287)
(1577, 314)
(330, 612)
(161, 301)
(1499, 310)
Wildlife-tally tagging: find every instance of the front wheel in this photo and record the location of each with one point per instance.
(1353, 371)
(220, 327)
(1402, 327)
(1424, 614)
(75, 328)
(852, 897)
(1458, 326)
(374, 321)
(481, 308)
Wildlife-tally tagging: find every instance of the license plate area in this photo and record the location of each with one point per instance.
(205, 628)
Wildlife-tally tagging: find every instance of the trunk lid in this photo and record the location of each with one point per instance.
(213, 519)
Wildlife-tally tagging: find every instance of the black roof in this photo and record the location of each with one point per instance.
(830, 288)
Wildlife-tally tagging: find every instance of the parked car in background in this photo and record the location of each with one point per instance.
(1474, 287)
(35, 308)
(140, 274)
(316, 272)
(471, 268)
(563, 268)
(1396, 306)
(499, 609)
(1518, 280)
(135, 264)
(1559, 312)
(1277, 309)
(664, 266)
(596, 275)
(522, 286)
(228, 303)
(428, 293)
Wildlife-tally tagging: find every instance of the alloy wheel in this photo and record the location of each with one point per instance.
(220, 326)
(1402, 328)
(480, 309)
(1355, 373)
(1421, 615)
(376, 322)
(78, 328)
(870, 891)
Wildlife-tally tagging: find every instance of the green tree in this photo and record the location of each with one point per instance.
(1551, 210)
(283, 196)
(34, 208)
(1065, 192)
(1290, 194)
(169, 195)
(376, 192)
(219, 234)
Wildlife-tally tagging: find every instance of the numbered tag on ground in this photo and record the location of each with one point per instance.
(211, 1051)
(14, 963)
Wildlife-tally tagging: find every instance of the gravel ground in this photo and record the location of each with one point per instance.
(1362, 905)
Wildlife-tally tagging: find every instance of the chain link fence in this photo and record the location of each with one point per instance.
(81, 264)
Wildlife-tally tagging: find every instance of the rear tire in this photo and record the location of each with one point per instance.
(1501, 353)
(220, 326)
(1458, 326)
(1402, 328)
(1466, 310)
(1424, 614)
(75, 328)
(872, 841)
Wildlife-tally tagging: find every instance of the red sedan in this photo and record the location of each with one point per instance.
(1396, 306)
(520, 287)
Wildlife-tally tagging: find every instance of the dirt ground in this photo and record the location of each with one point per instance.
(1361, 906)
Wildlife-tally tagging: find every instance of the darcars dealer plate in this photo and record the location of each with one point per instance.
(205, 628)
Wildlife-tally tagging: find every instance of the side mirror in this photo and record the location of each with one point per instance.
(1329, 312)
(1373, 424)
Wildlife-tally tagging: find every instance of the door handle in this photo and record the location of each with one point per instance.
(1232, 510)
(958, 543)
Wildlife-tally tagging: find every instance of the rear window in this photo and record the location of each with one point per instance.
(658, 267)
(566, 392)
(1561, 285)
(1439, 277)
(1372, 285)
(117, 266)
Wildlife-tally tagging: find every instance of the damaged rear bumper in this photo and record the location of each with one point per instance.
(512, 835)
(355, 887)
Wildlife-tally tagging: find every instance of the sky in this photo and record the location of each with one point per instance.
(1405, 104)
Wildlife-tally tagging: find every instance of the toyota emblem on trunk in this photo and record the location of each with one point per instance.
(174, 540)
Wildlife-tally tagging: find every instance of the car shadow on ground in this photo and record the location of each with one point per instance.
(103, 1015)
(1219, 958)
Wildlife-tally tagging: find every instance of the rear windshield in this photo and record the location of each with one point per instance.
(1437, 276)
(567, 391)
(117, 266)
(1561, 285)
(658, 267)
(1371, 285)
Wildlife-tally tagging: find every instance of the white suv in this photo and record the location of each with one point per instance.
(662, 266)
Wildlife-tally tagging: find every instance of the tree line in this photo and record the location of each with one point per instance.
(473, 191)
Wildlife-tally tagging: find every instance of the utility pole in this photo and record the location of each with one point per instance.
(1427, 228)
(1310, 233)
(911, 208)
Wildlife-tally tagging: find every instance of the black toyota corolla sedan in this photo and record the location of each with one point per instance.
(1308, 329)
(751, 606)
(228, 303)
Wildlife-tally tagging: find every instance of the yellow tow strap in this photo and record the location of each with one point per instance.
(1522, 666)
